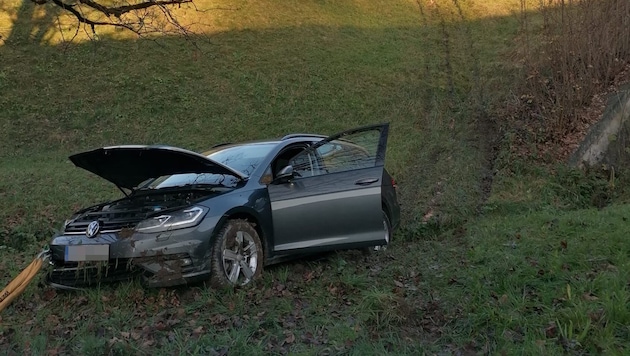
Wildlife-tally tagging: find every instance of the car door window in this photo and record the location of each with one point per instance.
(282, 160)
(354, 151)
(305, 164)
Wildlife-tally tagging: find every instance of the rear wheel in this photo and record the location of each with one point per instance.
(387, 230)
(237, 255)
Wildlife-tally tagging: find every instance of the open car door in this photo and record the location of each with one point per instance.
(334, 199)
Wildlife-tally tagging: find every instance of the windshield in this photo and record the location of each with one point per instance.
(244, 158)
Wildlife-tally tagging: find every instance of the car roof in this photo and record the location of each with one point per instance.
(290, 138)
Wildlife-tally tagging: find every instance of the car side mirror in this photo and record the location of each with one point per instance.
(284, 175)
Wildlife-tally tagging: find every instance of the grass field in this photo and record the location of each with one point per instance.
(534, 269)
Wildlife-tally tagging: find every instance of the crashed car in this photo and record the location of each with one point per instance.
(222, 215)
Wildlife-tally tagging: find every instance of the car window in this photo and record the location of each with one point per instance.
(338, 156)
(283, 158)
(355, 151)
(305, 164)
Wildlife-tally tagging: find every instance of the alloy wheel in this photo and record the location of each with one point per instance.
(240, 258)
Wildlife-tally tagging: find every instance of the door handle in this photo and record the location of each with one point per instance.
(366, 181)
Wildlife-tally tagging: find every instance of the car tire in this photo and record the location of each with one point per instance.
(387, 228)
(236, 255)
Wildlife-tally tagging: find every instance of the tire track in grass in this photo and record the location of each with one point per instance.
(462, 116)
(487, 131)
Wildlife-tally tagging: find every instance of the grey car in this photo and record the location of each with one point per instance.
(222, 215)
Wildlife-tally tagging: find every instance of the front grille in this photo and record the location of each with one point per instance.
(85, 274)
(108, 220)
(72, 274)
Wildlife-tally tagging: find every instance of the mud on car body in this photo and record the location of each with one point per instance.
(224, 214)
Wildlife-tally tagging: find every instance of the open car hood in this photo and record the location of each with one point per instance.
(128, 166)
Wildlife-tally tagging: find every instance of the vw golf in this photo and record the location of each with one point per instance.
(224, 214)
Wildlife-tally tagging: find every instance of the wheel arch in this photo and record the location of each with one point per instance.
(385, 207)
(251, 216)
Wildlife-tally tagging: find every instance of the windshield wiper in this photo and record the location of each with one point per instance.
(200, 186)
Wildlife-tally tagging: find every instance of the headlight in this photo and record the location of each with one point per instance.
(176, 220)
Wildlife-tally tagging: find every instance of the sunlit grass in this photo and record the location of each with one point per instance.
(20, 19)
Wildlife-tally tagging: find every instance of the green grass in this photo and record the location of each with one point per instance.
(534, 270)
(542, 281)
(552, 281)
(276, 72)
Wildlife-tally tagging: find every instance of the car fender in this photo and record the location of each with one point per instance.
(250, 205)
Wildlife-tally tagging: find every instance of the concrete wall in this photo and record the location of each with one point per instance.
(608, 141)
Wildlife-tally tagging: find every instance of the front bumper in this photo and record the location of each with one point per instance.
(74, 275)
(161, 259)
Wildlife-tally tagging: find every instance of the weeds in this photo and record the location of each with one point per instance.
(571, 50)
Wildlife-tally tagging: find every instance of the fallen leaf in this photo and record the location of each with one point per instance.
(308, 276)
(551, 331)
(590, 297)
(160, 326)
(49, 294)
(563, 244)
(52, 319)
(198, 331)
(290, 338)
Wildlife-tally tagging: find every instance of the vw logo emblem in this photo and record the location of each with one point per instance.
(92, 229)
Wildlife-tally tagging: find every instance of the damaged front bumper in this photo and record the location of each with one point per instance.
(162, 259)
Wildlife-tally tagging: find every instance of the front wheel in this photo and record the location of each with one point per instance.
(237, 255)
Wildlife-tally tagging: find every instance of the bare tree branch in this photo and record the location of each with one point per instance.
(71, 8)
(120, 10)
(143, 21)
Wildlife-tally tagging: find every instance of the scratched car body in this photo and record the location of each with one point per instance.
(222, 215)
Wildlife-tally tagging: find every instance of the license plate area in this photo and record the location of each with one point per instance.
(79, 253)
